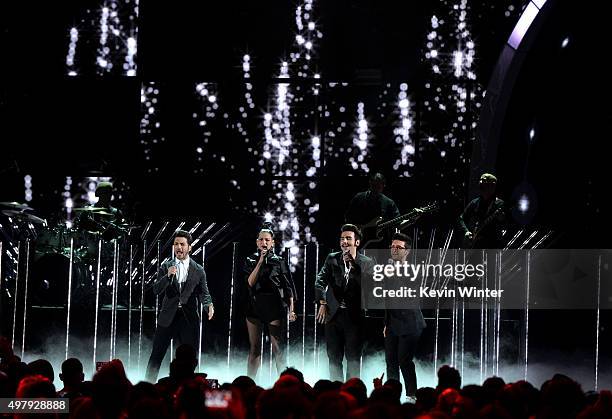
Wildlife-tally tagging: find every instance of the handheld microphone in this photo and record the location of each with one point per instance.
(175, 264)
(347, 266)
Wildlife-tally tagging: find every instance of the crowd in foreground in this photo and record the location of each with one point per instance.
(185, 394)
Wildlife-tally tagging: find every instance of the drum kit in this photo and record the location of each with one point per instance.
(19, 212)
(92, 224)
(57, 244)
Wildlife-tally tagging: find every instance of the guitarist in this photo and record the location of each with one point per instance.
(368, 205)
(483, 218)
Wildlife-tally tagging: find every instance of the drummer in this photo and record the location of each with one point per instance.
(103, 217)
(104, 192)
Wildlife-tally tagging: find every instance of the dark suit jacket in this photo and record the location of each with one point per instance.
(332, 287)
(193, 292)
(403, 317)
(273, 274)
(404, 322)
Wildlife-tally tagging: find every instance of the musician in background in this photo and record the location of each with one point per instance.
(369, 205)
(483, 218)
(104, 192)
(103, 217)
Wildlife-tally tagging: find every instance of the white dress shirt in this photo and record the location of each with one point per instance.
(182, 268)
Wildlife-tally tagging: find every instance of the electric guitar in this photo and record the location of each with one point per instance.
(479, 226)
(373, 231)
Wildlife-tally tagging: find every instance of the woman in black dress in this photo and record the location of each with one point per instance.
(271, 294)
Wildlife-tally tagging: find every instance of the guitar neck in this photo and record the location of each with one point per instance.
(401, 218)
(396, 220)
(488, 220)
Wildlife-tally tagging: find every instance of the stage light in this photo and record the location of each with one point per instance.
(524, 204)
(458, 63)
(525, 21)
(28, 187)
(565, 43)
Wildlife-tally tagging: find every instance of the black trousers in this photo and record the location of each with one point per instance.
(399, 352)
(182, 331)
(344, 336)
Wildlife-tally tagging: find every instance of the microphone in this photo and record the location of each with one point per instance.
(347, 266)
(175, 264)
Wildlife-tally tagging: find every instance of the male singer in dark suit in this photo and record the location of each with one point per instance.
(404, 323)
(338, 290)
(182, 282)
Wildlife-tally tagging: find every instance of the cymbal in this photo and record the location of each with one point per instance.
(20, 214)
(15, 205)
(104, 213)
(94, 210)
(127, 226)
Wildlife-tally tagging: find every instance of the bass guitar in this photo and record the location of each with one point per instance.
(374, 230)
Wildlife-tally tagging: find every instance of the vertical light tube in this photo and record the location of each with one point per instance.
(69, 297)
(229, 333)
(95, 342)
(25, 298)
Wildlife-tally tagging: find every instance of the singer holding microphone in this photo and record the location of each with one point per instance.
(182, 283)
(338, 290)
(271, 300)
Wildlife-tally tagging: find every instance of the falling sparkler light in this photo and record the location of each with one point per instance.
(116, 32)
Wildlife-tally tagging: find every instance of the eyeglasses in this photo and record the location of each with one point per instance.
(397, 247)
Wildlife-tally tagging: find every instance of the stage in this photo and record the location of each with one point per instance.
(220, 119)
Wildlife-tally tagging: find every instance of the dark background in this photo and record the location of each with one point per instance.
(52, 125)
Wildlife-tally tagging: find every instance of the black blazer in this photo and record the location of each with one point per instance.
(273, 274)
(193, 292)
(332, 287)
(404, 322)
